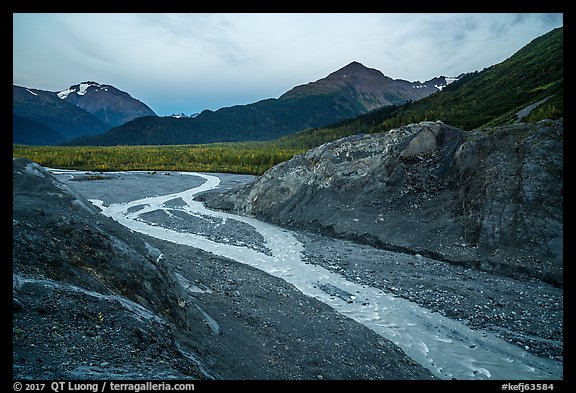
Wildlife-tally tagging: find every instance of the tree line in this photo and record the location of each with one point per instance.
(245, 157)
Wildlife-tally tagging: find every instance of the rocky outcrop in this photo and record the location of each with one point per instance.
(86, 287)
(104, 258)
(489, 198)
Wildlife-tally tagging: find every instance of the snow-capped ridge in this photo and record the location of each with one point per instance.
(447, 80)
(81, 89)
(179, 116)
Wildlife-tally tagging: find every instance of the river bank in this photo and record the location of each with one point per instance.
(89, 300)
(480, 300)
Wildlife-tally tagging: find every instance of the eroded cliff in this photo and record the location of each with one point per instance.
(488, 198)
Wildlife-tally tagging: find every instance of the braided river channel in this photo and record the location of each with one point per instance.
(167, 210)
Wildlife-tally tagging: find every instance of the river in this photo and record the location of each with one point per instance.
(168, 211)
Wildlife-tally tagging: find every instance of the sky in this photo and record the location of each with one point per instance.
(186, 63)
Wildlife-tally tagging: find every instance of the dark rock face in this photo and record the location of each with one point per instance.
(104, 257)
(490, 199)
(78, 277)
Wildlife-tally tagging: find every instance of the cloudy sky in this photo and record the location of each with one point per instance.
(185, 63)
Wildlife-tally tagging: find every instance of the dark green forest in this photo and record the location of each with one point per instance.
(261, 121)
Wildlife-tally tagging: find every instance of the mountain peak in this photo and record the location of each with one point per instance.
(354, 68)
(354, 65)
(368, 87)
(111, 105)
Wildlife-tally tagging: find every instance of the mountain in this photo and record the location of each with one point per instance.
(183, 115)
(344, 94)
(30, 132)
(114, 107)
(41, 117)
(369, 87)
(48, 118)
(496, 94)
(528, 86)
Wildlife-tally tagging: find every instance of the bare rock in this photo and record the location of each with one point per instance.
(490, 199)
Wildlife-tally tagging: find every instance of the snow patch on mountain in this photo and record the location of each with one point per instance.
(447, 81)
(64, 93)
(82, 89)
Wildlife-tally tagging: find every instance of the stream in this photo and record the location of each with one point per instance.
(445, 346)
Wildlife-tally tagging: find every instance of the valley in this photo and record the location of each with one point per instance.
(357, 227)
(449, 319)
(93, 299)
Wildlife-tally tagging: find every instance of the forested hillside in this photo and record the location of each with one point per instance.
(490, 97)
(351, 91)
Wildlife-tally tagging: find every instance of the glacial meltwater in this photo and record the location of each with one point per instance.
(447, 347)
